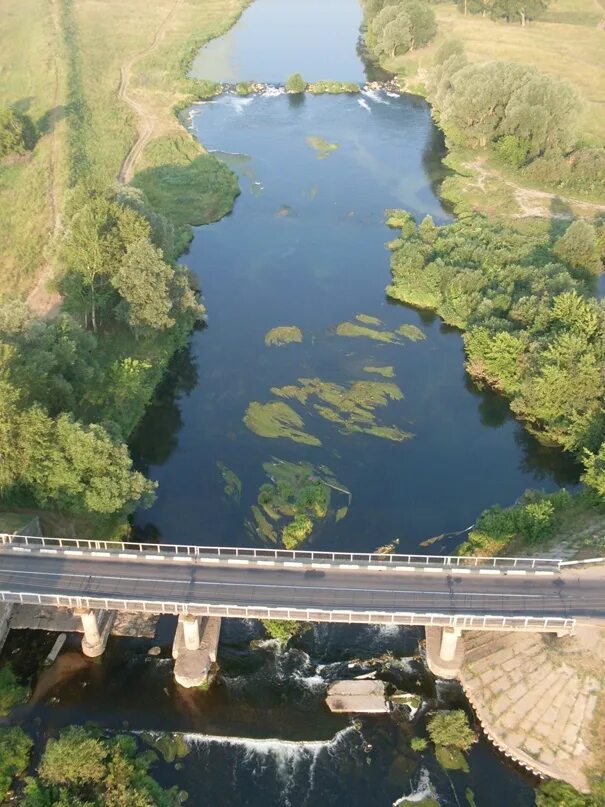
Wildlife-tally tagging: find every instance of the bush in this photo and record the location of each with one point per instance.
(451, 730)
(15, 748)
(75, 758)
(17, 132)
(333, 87)
(513, 150)
(418, 744)
(296, 84)
(12, 693)
(244, 88)
(559, 794)
(283, 629)
(203, 88)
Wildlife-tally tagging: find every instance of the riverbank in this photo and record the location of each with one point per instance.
(482, 183)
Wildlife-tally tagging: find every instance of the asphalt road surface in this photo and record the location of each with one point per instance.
(571, 594)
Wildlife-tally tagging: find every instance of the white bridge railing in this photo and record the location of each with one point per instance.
(463, 621)
(300, 555)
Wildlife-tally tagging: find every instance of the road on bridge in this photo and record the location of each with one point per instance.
(570, 594)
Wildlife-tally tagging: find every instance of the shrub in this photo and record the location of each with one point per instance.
(283, 629)
(12, 693)
(15, 748)
(75, 758)
(451, 730)
(296, 84)
(203, 88)
(244, 88)
(17, 132)
(418, 744)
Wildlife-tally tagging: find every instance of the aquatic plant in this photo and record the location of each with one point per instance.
(353, 329)
(333, 87)
(283, 335)
(368, 319)
(12, 693)
(233, 484)
(385, 372)
(297, 496)
(277, 419)
(411, 332)
(350, 408)
(322, 147)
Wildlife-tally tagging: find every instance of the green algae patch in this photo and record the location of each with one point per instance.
(296, 498)
(385, 372)
(354, 329)
(323, 148)
(232, 482)
(277, 419)
(367, 319)
(283, 335)
(412, 333)
(350, 408)
(370, 330)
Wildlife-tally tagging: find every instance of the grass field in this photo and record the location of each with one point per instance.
(130, 50)
(566, 43)
(32, 78)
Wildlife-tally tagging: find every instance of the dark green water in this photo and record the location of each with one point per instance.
(305, 246)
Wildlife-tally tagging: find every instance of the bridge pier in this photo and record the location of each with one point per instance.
(194, 650)
(449, 643)
(191, 631)
(93, 644)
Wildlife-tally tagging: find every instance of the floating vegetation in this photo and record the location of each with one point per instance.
(283, 335)
(388, 549)
(353, 329)
(323, 148)
(352, 408)
(297, 496)
(410, 332)
(386, 372)
(368, 320)
(233, 484)
(284, 211)
(277, 419)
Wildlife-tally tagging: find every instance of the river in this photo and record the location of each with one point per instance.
(305, 246)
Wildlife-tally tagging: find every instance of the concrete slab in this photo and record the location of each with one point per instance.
(367, 697)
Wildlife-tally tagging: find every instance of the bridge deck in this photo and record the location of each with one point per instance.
(344, 592)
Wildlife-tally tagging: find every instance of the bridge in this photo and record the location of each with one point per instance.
(448, 592)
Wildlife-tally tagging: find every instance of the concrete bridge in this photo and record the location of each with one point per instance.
(449, 593)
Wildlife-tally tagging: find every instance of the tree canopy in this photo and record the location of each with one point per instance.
(531, 328)
(393, 28)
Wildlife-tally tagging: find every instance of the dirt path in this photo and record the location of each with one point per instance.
(532, 202)
(146, 125)
(43, 301)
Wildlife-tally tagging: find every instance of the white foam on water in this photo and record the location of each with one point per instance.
(362, 102)
(423, 790)
(238, 104)
(375, 96)
(272, 92)
(392, 94)
(287, 756)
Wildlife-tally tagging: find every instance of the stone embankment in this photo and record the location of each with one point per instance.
(534, 695)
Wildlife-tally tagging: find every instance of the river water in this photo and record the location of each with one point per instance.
(305, 247)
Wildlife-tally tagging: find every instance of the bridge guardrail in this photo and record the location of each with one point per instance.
(462, 621)
(265, 553)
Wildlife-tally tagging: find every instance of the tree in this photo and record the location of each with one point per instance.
(17, 132)
(142, 281)
(75, 758)
(451, 730)
(12, 693)
(15, 748)
(100, 235)
(296, 84)
(524, 10)
(578, 247)
(559, 794)
(594, 465)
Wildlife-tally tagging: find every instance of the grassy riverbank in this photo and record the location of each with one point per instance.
(564, 43)
(109, 115)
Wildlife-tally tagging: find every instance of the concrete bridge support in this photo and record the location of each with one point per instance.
(449, 643)
(92, 642)
(194, 650)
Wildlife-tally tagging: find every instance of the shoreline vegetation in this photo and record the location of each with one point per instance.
(74, 387)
